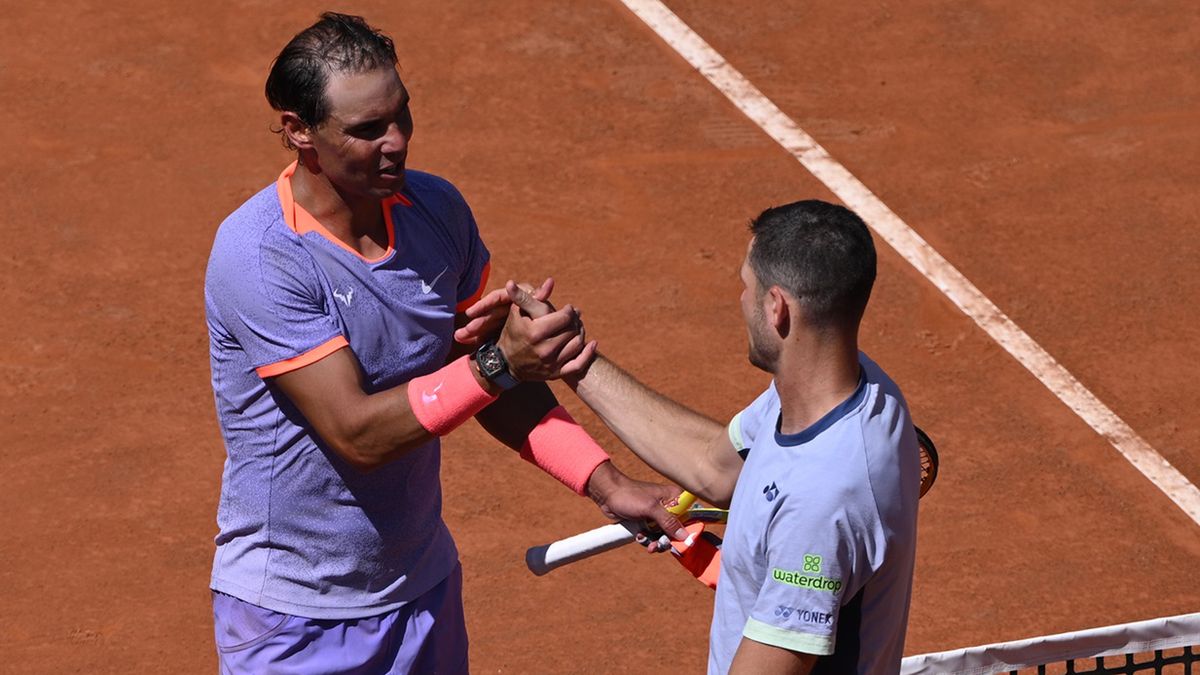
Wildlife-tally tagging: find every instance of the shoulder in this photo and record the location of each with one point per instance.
(253, 234)
(889, 446)
(883, 387)
(744, 427)
(257, 218)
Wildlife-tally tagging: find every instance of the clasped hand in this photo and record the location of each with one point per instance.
(540, 342)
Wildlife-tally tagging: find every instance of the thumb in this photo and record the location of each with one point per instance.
(669, 523)
(526, 300)
(543, 292)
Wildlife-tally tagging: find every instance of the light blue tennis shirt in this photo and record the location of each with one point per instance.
(301, 531)
(818, 555)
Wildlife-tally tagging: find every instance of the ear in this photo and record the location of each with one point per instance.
(297, 133)
(779, 313)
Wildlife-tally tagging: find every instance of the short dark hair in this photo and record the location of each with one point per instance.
(820, 253)
(338, 43)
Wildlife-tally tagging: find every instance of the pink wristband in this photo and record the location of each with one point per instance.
(561, 448)
(444, 399)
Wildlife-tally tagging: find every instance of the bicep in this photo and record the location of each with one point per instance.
(326, 392)
(366, 430)
(756, 657)
(725, 466)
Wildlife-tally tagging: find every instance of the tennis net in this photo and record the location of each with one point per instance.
(1170, 645)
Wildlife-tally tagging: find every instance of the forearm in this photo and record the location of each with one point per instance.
(377, 429)
(369, 430)
(670, 437)
(513, 415)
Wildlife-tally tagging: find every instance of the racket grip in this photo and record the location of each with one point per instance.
(547, 557)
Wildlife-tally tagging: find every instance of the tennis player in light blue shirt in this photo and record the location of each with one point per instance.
(818, 555)
(821, 473)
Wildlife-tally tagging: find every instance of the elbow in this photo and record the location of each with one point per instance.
(352, 454)
(353, 444)
(718, 493)
(718, 500)
(360, 462)
(367, 438)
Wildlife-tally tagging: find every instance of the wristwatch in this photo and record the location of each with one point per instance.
(494, 367)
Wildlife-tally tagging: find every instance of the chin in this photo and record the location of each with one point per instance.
(759, 362)
(388, 188)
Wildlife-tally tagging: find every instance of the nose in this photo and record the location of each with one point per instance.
(396, 139)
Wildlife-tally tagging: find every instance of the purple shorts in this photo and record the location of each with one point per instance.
(427, 635)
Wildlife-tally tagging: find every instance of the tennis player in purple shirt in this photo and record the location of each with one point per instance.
(331, 297)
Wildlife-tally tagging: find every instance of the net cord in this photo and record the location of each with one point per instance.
(1170, 632)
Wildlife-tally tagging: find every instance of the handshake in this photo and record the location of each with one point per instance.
(537, 341)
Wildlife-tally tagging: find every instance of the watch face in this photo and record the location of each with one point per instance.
(490, 362)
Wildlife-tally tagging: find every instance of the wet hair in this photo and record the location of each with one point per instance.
(820, 253)
(338, 43)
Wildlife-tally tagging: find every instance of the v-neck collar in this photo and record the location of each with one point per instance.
(302, 222)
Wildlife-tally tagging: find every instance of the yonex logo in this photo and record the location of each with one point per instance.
(346, 296)
(426, 287)
(805, 615)
(771, 492)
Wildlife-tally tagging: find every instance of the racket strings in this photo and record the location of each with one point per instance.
(929, 461)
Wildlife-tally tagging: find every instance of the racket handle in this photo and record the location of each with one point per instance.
(547, 557)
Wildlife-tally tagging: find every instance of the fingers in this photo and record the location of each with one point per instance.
(538, 339)
(551, 331)
(668, 523)
(488, 314)
(483, 326)
(528, 300)
(579, 364)
(502, 297)
(659, 545)
(479, 329)
(491, 301)
(559, 349)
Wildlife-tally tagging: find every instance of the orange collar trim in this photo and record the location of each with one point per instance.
(302, 222)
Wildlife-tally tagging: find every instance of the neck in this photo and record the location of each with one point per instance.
(356, 220)
(816, 372)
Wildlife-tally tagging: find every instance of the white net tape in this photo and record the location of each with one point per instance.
(1131, 638)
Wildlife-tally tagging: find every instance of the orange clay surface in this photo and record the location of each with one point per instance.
(1048, 152)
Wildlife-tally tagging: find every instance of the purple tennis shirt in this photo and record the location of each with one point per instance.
(301, 531)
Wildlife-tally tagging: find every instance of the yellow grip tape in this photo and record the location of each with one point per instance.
(686, 499)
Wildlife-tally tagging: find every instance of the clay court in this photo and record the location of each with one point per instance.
(1048, 152)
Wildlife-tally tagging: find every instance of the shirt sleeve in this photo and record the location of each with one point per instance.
(754, 419)
(270, 301)
(816, 565)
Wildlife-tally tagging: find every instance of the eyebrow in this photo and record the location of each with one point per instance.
(358, 125)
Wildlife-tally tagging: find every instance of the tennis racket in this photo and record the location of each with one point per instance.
(547, 557)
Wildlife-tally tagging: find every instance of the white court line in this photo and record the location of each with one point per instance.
(916, 251)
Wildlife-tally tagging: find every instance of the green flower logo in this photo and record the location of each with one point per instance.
(812, 563)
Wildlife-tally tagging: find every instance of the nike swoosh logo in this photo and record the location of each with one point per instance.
(428, 398)
(426, 287)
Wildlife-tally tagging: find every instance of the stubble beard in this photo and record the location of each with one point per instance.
(762, 353)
